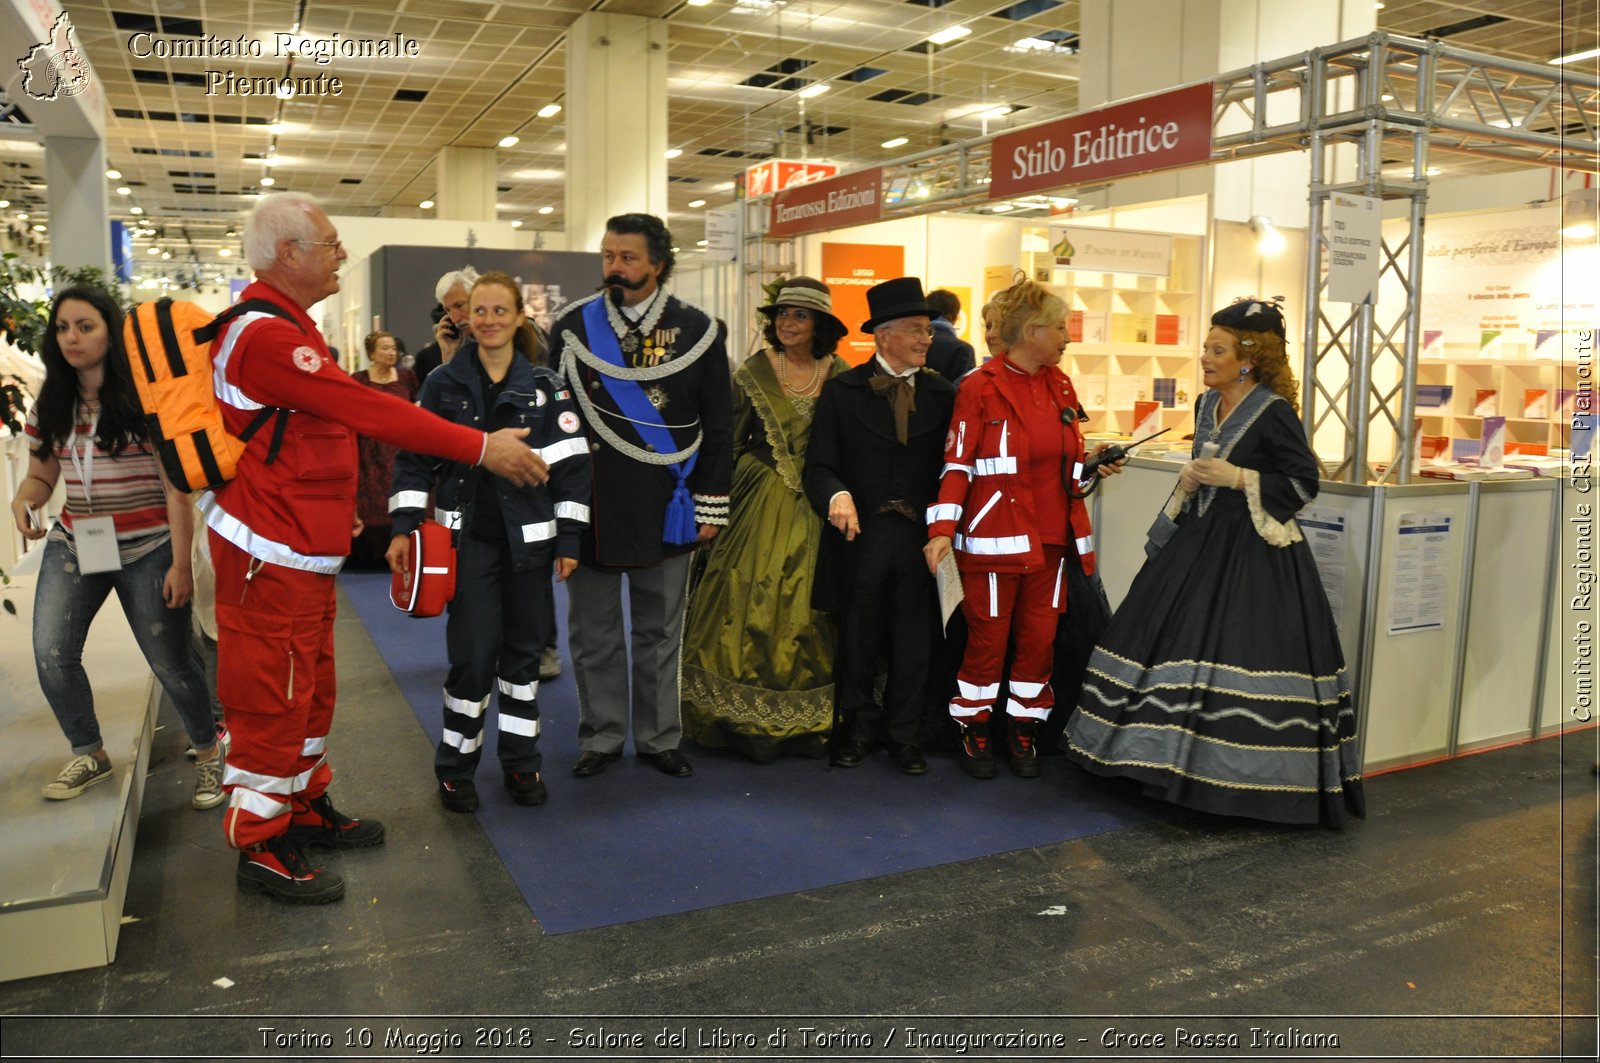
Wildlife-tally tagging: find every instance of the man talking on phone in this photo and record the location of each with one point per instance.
(450, 327)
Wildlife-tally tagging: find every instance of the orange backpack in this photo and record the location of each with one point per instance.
(169, 349)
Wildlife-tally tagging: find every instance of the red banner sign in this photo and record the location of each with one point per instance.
(1155, 133)
(849, 200)
(775, 175)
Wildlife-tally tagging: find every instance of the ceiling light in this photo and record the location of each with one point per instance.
(995, 112)
(954, 33)
(896, 142)
(550, 110)
(4, 203)
(131, 210)
(1581, 231)
(699, 243)
(516, 223)
(1033, 44)
(696, 203)
(124, 190)
(811, 92)
(547, 210)
(1387, 97)
(673, 153)
(153, 251)
(166, 255)
(267, 182)
(1379, 5)
(726, 186)
(509, 142)
(1575, 57)
(698, 3)
(538, 175)
(225, 252)
(39, 228)
(1433, 171)
(115, 175)
(1001, 208)
(426, 204)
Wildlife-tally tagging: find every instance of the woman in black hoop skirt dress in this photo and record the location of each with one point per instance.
(1220, 684)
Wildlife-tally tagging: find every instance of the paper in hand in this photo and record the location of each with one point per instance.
(950, 594)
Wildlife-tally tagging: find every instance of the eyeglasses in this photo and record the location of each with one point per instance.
(926, 331)
(335, 244)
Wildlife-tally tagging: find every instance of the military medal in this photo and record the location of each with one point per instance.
(657, 396)
(630, 343)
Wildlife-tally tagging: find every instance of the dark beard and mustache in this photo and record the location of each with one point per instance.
(617, 283)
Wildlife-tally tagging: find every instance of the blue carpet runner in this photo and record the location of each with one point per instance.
(633, 843)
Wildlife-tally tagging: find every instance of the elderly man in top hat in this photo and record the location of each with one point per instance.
(872, 470)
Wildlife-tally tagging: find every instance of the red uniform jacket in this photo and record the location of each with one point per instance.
(985, 498)
(299, 510)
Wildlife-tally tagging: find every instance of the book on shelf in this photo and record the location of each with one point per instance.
(1483, 404)
(1536, 402)
(1146, 418)
(1433, 343)
(1091, 389)
(1434, 396)
(1075, 326)
(1469, 471)
(1540, 465)
(1165, 391)
(1493, 453)
(1465, 449)
(1126, 390)
(1096, 327)
(1519, 448)
(1432, 449)
(1169, 329)
(1542, 345)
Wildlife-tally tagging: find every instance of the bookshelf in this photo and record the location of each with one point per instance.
(1454, 395)
(1134, 338)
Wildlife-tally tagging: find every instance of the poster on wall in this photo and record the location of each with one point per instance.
(849, 270)
(1503, 285)
(1324, 531)
(1418, 590)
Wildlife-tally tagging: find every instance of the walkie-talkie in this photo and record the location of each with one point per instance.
(1113, 454)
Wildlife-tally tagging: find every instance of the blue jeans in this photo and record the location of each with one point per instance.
(65, 603)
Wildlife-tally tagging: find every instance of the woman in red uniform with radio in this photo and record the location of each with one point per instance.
(1006, 508)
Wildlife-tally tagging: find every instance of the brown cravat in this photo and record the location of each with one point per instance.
(902, 396)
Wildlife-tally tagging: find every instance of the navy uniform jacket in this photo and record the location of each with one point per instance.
(853, 448)
(683, 368)
(536, 518)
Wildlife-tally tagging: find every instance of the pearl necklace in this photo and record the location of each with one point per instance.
(783, 375)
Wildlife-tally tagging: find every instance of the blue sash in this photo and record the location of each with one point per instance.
(680, 529)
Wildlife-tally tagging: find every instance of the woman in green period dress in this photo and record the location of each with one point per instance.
(758, 662)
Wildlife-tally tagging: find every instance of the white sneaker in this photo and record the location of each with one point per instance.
(223, 739)
(208, 783)
(80, 773)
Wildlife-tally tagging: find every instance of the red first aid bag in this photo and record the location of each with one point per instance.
(431, 582)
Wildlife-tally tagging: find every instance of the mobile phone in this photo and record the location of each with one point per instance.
(450, 330)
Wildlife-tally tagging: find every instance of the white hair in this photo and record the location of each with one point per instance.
(281, 216)
(466, 276)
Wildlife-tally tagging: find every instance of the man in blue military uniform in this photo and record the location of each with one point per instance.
(650, 374)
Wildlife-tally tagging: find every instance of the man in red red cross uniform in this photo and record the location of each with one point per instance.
(279, 532)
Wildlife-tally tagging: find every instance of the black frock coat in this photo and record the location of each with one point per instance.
(853, 448)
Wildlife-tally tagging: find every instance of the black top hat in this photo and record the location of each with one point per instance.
(1253, 315)
(901, 297)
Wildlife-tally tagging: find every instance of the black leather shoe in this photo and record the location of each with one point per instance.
(459, 795)
(847, 753)
(669, 761)
(908, 758)
(526, 787)
(592, 762)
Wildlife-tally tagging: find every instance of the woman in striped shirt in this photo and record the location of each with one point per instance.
(124, 528)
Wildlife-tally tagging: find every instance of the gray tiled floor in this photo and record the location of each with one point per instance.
(1469, 891)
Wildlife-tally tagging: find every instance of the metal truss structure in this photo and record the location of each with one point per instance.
(1376, 95)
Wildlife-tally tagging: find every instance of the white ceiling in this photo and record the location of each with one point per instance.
(485, 68)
